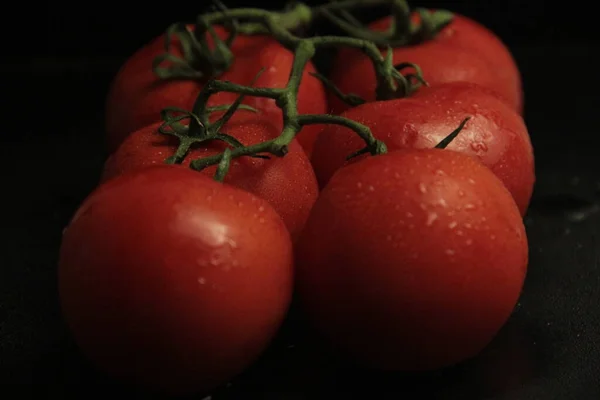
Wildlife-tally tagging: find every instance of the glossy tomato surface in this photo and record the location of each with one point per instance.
(173, 281)
(137, 96)
(412, 260)
(463, 51)
(287, 183)
(495, 135)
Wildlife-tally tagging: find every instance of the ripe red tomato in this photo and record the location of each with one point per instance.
(287, 183)
(412, 260)
(463, 51)
(137, 96)
(496, 135)
(171, 280)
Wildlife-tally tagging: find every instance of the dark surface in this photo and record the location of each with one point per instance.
(52, 156)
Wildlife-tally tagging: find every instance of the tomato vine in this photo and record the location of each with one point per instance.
(201, 61)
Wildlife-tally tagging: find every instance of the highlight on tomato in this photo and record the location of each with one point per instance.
(495, 134)
(173, 281)
(412, 260)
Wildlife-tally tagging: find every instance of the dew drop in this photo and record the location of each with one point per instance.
(371, 188)
(440, 172)
(397, 207)
(409, 215)
(493, 237)
(468, 226)
(414, 256)
(411, 226)
(442, 202)
(422, 188)
(388, 238)
(201, 280)
(452, 224)
(450, 252)
(460, 233)
(423, 206)
(461, 193)
(209, 198)
(359, 185)
(240, 204)
(261, 221)
(261, 209)
(431, 218)
(470, 206)
(396, 175)
(469, 242)
(471, 181)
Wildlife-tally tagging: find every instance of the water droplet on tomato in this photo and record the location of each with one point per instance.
(450, 252)
(492, 237)
(461, 193)
(479, 147)
(470, 207)
(460, 233)
(388, 238)
(422, 188)
(471, 181)
(440, 172)
(469, 242)
(468, 225)
(240, 204)
(409, 215)
(201, 280)
(371, 188)
(261, 221)
(452, 224)
(359, 185)
(431, 218)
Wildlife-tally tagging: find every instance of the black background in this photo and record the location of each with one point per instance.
(57, 64)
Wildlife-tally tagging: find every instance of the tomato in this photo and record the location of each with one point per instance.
(137, 96)
(463, 51)
(496, 135)
(412, 260)
(173, 281)
(287, 183)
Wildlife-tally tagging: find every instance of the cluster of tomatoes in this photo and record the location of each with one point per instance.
(411, 260)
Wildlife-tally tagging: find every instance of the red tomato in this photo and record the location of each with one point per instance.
(287, 183)
(412, 260)
(496, 135)
(137, 96)
(463, 51)
(171, 280)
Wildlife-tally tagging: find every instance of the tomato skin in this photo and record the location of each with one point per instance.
(496, 135)
(463, 51)
(154, 278)
(137, 96)
(287, 183)
(412, 260)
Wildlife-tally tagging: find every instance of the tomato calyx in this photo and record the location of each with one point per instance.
(402, 31)
(200, 130)
(198, 60)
